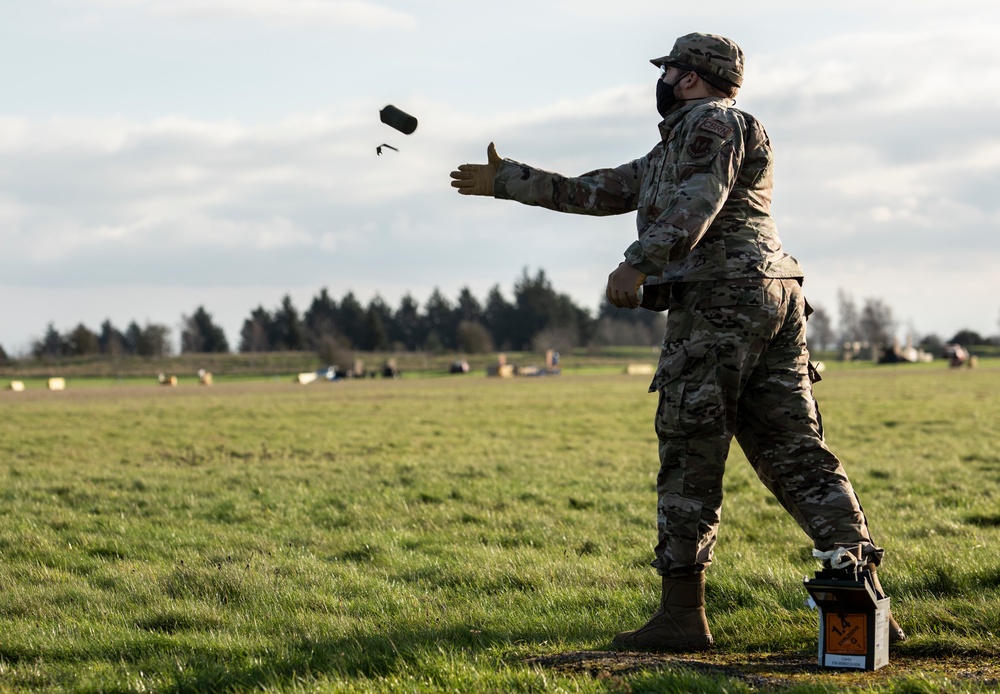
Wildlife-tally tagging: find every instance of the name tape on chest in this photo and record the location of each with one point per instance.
(716, 127)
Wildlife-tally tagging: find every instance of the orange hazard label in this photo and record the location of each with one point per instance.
(847, 634)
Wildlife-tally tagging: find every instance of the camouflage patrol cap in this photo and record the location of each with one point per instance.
(708, 54)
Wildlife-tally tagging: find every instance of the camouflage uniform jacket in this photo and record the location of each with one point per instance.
(703, 197)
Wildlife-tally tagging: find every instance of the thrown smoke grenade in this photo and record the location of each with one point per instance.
(400, 120)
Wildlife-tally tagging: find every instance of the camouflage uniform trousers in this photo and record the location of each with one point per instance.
(734, 362)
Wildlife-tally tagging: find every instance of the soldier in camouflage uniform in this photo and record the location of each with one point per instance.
(734, 359)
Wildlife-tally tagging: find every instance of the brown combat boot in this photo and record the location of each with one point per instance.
(679, 624)
(896, 633)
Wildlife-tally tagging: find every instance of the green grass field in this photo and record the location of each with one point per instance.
(462, 534)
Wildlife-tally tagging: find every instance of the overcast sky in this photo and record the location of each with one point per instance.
(158, 155)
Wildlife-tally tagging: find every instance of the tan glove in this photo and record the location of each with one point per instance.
(623, 286)
(477, 179)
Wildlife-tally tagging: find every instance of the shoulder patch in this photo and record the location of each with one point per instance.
(717, 127)
(700, 147)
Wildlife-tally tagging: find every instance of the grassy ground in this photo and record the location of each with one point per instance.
(462, 534)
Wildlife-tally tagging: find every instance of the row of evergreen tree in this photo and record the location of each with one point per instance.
(537, 317)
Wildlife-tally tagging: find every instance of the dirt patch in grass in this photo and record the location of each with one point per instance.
(770, 672)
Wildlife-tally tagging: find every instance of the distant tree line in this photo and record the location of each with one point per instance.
(873, 323)
(536, 317)
(151, 340)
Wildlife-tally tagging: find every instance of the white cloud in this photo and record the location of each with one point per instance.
(313, 180)
(882, 73)
(340, 13)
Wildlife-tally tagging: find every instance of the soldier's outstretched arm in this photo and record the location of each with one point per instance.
(600, 192)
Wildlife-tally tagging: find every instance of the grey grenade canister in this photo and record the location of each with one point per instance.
(400, 120)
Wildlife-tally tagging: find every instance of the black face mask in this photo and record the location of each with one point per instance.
(665, 99)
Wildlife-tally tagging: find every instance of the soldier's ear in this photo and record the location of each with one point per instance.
(686, 81)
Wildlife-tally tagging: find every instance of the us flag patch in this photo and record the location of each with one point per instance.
(717, 127)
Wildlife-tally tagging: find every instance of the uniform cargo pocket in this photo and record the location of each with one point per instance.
(692, 401)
